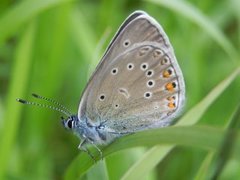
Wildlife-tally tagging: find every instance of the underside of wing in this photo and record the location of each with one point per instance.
(138, 83)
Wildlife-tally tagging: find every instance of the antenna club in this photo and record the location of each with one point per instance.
(35, 95)
(21, 101)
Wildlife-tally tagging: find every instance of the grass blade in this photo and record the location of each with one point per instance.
(21, 13)
(204, 167)
(82, 34)
(227, 146)
(196, 136)
(193, 115)
(99, 171)
(144, 165)
(196, 16)
(20, 76)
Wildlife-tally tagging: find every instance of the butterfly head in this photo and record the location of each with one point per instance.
(70, 123)
(73, 124)
(77, 127)
(84, 129)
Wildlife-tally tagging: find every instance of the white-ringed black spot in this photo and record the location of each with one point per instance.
(102, 97)
(150, 83)
(130, 66)
(147, 95)
(149, 73)
(114, 71)
(144, 66)
(126, 43)
(116, 106)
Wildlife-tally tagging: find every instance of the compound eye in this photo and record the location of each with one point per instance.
(70, 124)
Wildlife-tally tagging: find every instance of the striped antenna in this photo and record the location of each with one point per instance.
(44, 106)
(51, 100)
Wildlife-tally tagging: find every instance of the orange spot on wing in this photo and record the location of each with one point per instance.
(170, 86)
(171, 105)
(166, 74)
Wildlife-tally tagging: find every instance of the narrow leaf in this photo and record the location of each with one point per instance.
(150, 159)
(196, 16)
(227, 146)
(193, 115)
(201, 137)
(17, 88)
(21, 13)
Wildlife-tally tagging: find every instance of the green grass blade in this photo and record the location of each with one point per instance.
(49, 56)
(99, 171)
(150, 159)
(21, 13)
(223, 154)
(82, 34)
(196, 16)
(204, 167)
(1, 113)
(20, 76)
(226, 147)
(196, 136)
(192, 116)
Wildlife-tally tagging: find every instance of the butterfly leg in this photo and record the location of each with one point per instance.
(85, 149)
(99, 150)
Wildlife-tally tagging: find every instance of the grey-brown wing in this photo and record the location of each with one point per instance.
(138, 83)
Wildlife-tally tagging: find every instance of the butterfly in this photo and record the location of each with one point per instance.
(137, 85)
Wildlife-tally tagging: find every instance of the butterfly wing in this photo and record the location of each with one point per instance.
(138, 83)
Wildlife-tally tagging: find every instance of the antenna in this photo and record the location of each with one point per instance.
(44, 106)
(51, 100)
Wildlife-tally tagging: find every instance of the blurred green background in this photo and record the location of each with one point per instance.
(51, 47)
